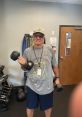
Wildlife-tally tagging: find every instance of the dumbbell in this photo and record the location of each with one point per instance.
(20, 94)
(1, 67)
(57, 87)
(15, 55)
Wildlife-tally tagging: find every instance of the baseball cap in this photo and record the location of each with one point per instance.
(38, 33)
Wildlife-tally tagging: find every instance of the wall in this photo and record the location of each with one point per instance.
(20, 17)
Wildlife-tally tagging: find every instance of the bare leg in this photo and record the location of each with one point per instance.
(48, 112)
(29, 112)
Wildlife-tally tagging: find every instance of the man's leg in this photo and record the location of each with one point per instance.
(29, 112)
(46, 103)
(48, 112)
(31, 102)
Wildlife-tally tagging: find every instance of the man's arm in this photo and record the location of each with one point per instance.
(56, 72)
(56, 80)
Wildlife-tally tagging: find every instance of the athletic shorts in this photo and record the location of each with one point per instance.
(35, 100)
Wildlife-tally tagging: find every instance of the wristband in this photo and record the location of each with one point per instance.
(57, 77)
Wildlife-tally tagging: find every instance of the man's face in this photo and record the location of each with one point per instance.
(38, 39)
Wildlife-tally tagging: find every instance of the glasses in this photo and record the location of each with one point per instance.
(40, 36)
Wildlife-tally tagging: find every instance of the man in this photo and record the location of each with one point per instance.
(75, 103)
(40, 77)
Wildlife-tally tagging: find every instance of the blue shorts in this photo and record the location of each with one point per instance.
(35, 100)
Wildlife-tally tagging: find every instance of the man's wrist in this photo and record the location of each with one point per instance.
(55, 78)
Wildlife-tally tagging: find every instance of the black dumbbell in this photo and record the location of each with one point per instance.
(14, 56)
(28, 66)
(20, 94)
(57, 87)
(1, 70)
(1, 67)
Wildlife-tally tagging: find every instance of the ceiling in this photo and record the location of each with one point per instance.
(60, 1)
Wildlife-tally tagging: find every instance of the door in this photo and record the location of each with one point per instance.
(70, 55)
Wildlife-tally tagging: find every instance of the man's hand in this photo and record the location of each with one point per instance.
(57, 81)
(22, 60)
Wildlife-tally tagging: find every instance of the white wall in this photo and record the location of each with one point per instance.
(19, 17)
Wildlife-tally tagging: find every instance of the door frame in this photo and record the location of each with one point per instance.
(60, 26)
